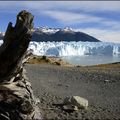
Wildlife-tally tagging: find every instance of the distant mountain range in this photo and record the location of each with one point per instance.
(45, 34)
(57, 34)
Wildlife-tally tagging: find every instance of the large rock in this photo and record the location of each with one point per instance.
(77, 101)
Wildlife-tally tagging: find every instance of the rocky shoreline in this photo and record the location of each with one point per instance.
(98, 84)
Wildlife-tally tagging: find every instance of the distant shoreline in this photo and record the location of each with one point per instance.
(54, 60)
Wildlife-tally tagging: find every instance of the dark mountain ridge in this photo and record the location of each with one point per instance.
(57, 35)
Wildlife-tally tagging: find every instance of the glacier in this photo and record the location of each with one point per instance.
(74, 48)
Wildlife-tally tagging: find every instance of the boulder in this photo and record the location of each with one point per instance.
(77, 101)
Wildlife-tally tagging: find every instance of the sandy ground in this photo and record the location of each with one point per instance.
(99, 85)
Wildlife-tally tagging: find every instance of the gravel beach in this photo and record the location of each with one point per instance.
(100, 85)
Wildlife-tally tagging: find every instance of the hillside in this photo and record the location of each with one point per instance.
(58, 34)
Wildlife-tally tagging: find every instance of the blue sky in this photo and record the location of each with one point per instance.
(100, 19)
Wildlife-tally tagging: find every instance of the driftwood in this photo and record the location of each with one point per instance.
(17, 101)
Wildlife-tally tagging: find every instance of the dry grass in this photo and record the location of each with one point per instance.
(38, 60)
(48, 60)
(111, 65)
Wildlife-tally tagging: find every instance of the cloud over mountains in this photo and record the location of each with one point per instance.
(99, 18)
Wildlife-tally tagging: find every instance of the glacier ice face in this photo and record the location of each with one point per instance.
(74, 48)
(1, 41)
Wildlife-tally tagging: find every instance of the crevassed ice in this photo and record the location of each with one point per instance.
(1, 41)
(74, 48)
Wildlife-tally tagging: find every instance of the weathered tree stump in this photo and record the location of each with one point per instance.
(17, 101)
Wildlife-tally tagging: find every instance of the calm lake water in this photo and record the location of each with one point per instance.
(92, 59)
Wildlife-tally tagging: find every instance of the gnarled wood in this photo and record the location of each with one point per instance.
(15, 44)
(17, 101)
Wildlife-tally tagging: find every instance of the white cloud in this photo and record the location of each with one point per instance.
(92, 5)
(66, 5)
(103, 35)
(71, 17)
(61, 10)
(65, 12)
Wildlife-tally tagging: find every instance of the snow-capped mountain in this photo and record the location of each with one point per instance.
(46, 30)
(44, 34)
(74, 48)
